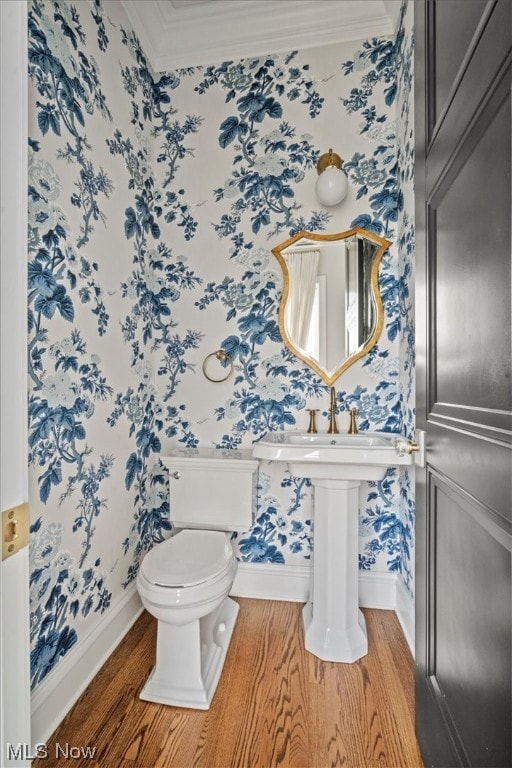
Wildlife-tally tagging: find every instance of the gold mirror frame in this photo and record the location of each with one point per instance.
(382, 244)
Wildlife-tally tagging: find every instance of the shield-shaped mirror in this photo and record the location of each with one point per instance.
(331, 311)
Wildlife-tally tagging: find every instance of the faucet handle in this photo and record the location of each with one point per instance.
(312, 422)
(353, 430)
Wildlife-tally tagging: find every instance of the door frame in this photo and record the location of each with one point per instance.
(14, 571)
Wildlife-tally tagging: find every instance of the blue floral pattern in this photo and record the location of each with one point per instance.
(60, 591)
(405, 241)
(154, 202)
(266, 166)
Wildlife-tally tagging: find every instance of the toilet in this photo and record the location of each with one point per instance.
(185, 580)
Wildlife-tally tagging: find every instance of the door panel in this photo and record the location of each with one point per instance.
(470, 91)
(451, 49)
(472, 286)
(470, 662)
(464, 495)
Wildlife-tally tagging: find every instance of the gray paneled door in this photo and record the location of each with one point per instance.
(464, 519)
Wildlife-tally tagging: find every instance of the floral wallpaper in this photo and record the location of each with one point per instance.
(154, 202)
(404, 45)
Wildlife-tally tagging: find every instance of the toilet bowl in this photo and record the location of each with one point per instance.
(184, 582)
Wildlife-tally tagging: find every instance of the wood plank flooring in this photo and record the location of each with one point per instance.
(276, 704)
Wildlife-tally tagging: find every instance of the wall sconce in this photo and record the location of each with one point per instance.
(331, 185)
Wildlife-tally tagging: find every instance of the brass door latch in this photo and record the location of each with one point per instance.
(15, 529)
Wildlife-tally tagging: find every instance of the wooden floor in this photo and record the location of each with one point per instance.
(276, 704)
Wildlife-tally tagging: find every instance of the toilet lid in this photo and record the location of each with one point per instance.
(188, 558)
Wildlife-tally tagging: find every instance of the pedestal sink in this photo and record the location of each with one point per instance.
(334, 627)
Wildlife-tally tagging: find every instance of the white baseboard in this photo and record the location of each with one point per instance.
(54, 697)
(377, 590)
(405, 613)
(291, 582)
(272, 582)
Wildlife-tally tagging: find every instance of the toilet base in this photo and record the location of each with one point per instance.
(190, 658)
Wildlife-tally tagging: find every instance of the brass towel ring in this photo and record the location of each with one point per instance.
(221, 356)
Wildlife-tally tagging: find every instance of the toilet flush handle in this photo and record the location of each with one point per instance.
(176, 475)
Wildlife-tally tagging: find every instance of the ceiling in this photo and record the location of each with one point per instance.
(187, 33)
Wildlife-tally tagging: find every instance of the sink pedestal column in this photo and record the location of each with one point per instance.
(334, 627)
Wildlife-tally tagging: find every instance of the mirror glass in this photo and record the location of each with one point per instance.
(331, 311)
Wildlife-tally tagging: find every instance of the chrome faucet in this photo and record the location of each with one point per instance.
(333, 427)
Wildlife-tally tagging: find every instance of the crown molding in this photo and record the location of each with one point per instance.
(175, 36)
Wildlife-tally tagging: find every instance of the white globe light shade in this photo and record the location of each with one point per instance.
(331, 186)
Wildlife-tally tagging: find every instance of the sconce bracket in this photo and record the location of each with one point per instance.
(327, 159)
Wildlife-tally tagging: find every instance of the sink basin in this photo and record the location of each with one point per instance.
(364, 456)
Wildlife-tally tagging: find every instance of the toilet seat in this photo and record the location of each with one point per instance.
(189, 558)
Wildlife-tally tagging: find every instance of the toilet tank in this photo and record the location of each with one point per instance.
(211, 488)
